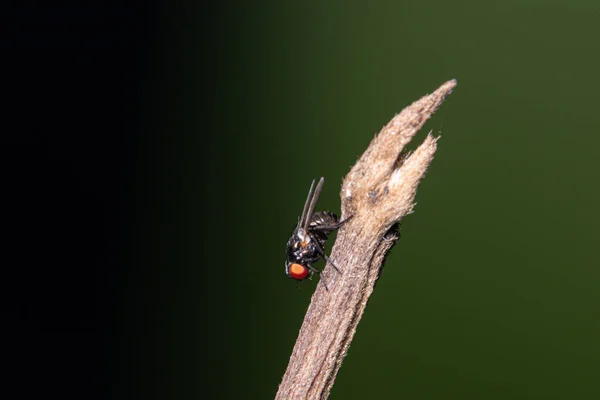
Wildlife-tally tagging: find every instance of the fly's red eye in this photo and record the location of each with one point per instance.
(298, 271)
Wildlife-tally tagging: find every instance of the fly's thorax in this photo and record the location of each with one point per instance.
(302, 249)
(299, 239)
(302, 236)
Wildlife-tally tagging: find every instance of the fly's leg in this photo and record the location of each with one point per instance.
(316, 271)
(322, 253)
(327, 228)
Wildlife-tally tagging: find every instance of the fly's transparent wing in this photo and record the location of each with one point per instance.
(306, 205)
(307, 213)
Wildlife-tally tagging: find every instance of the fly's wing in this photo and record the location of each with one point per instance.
(306, 205)
(312, 203)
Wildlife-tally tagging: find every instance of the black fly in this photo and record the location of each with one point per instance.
(307, 243)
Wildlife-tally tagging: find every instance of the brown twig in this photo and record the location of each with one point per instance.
(378, 192)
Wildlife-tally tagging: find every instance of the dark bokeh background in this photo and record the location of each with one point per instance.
(155, 156)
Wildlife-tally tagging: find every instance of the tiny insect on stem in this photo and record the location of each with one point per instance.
(307, 242)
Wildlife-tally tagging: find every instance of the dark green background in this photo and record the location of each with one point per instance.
(492, 291)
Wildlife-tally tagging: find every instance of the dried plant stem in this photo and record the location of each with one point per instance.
(378, 192)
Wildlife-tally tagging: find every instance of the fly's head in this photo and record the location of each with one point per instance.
(296, 271)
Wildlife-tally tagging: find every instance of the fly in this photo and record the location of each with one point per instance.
(307, 243)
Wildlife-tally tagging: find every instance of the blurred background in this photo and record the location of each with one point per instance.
(155, 157)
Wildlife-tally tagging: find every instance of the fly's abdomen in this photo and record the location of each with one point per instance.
(323, 219)
(322, 224)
